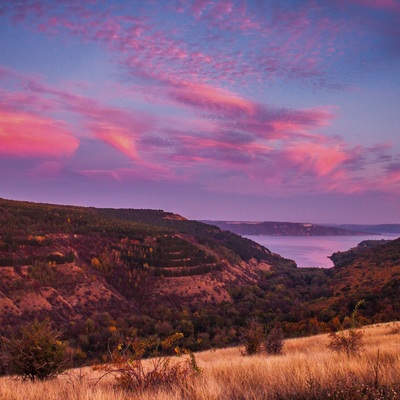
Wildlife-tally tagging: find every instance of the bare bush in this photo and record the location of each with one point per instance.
(349, 342)
(253, 338)
(132, 373)
(273, 343)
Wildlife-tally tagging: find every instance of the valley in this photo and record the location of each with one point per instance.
(104, 274)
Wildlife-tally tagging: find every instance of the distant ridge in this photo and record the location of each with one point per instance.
(274, 228)
(380, 228)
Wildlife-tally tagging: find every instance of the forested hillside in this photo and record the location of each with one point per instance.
(105, 274)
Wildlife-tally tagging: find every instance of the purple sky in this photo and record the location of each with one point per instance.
(233, 109)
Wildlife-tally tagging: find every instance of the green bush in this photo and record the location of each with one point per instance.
(37, 354)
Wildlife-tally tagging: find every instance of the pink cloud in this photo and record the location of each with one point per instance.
(232, 141)
(315, 158)
(118, 127)
(199, 6)
(279, 141)
(219, 150)
(28, 135)
(297, 43)
(222, 9)
(234, 112)
(392, 176)
(270, 123)
(225, 14)
(325, 167)
(296, 47)
(5, 72)
(25, 101)
(117, 139)
(211, 98)
(235, 137)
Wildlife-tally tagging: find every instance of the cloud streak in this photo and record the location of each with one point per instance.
(30, 136)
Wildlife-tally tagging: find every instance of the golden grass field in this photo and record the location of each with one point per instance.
(306, 370)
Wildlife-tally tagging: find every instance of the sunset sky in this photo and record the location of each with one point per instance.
(233, 109)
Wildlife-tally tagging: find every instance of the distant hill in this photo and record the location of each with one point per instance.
(102, 275)
(273, 228)
(381, 228)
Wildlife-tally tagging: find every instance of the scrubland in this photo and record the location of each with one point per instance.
(307, 369)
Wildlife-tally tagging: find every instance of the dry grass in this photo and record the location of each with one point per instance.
(306, 370)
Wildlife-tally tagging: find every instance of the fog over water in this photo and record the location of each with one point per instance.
(313, 251)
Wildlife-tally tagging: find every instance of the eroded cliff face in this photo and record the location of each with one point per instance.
(68, 291)
(211, 287)
(62, 292)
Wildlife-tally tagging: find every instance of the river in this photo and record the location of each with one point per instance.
(312, 251)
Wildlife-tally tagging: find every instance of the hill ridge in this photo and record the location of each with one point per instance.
(278, 228)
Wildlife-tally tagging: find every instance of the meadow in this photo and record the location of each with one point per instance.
(307, 369)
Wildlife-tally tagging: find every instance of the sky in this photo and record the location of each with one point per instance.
(234, 109)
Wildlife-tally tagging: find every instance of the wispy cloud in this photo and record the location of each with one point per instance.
(392, 175)
(31, 136)
(208, 98)
(221, 134)
(119, 140)
(317, 159)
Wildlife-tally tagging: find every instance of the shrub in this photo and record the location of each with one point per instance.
(349, 342)
(132, 374)
(37, 354)
(253, 338)
(43, 273)
(255, 341)
(273, 343)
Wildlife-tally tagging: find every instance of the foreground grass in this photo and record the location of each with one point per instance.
(306, 370)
